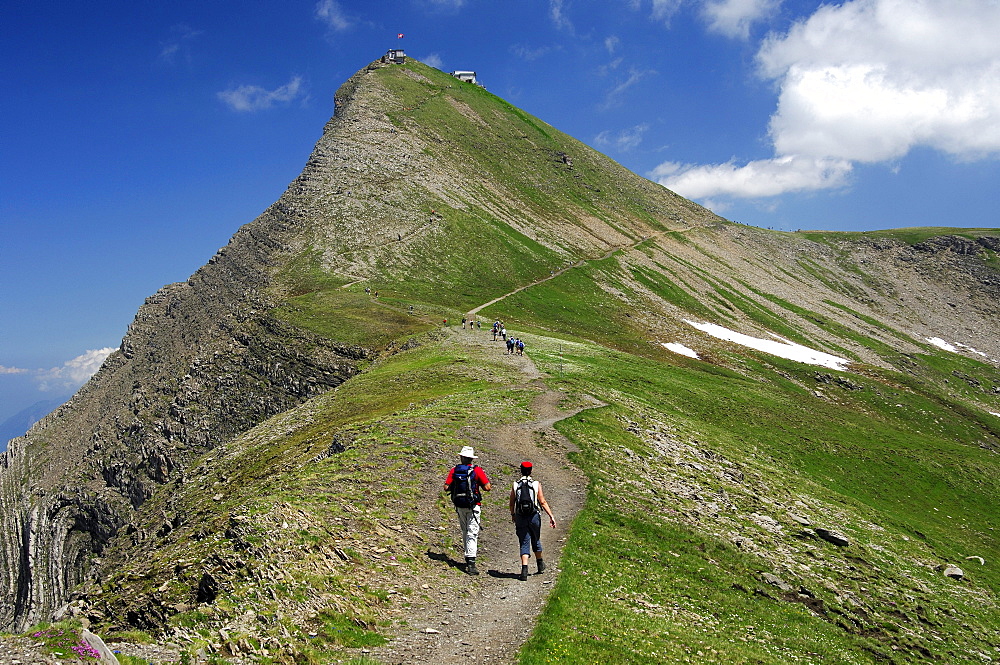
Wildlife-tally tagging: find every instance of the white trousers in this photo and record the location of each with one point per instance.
(468, 520)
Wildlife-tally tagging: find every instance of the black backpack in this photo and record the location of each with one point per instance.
(464, 486)
(524, 498)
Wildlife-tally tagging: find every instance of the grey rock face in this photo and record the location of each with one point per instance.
(202, 362)
(956, 244)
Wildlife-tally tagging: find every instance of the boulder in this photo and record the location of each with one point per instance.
(795, 517)
(208, 588)
(105, 656)
(774, 580)
(954, 572)
(831, 536)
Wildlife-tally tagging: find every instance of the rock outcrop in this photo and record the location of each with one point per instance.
(203, 361)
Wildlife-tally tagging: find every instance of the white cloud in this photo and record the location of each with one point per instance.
(74, 373)
(664, 10)
(624, 140)
(331, 13)
(528, 53)
(872, 79)
(733, 18)
(867, 81)
(604, 70)
(178, 44)
(433, 60)
(12, 370)
(613, 97)
(448, 4)
(254, 98)
(558, 17)
(612, 43)
(762, 178)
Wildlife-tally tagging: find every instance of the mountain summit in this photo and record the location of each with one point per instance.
(420, 183)
(259, 464)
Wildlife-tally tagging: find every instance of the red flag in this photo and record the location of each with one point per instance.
(399, 35)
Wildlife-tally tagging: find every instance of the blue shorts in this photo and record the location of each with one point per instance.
(529, 532)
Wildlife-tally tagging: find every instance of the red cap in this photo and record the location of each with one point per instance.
(526, 466)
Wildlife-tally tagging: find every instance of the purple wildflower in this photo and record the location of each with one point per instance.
(85, 650)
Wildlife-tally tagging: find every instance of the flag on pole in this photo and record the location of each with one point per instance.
(399, 35)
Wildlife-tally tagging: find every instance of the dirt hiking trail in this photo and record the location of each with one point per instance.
(486, 618)
(445, 616)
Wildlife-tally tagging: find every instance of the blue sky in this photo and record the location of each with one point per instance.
(139, 136)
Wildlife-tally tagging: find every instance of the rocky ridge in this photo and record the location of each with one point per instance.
(203, 361)
(142, 460)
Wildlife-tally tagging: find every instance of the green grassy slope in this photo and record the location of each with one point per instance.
(900, 471)
(897, 459)
(694, 470)
(705, 475)
(496, 199)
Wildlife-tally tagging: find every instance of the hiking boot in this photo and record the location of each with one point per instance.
(524, 574)
(470, 567)
(541, 565)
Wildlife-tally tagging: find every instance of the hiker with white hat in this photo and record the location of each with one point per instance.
(464, 482)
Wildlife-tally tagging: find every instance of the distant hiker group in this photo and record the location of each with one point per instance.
(526, 502)
(499, 330)
(514, 345)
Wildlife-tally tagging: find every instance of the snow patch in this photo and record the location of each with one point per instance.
(957, 347)
(680, 349)
(941, 344)
(994, 413)
(782, 347)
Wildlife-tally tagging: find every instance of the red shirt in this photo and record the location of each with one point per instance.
(481, 478)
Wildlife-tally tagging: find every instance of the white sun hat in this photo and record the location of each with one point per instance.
(468, 452)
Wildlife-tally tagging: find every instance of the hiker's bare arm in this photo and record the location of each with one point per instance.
(512, 503)
(488, 486)
(545, 506)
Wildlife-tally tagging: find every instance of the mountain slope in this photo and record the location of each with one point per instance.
(269, 434)
(211, 357)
